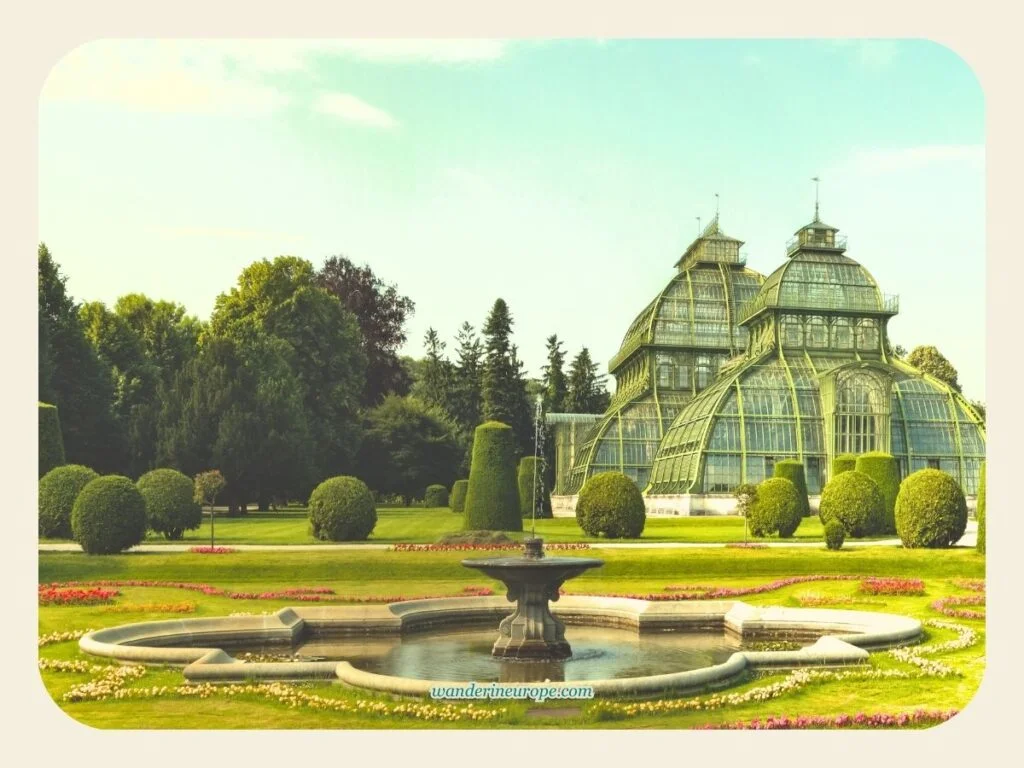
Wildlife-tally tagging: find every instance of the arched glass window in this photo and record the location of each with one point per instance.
(867, 334)
(842, 333)
(861, 414)
(816, 333)
(792, 331)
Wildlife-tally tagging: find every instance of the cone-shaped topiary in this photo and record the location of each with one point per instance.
(436, 496)
(492, 499)
(51, 444)
(854, 500)
(109, 516)
(341, 509)
(58, 490)
(777, 508)
(835, 534)
(527, 497)
(981, 510)
(844, 462)
(793, 470)
(931, 511)
(883, 469)
(457, 499)
(171, 507)
(611, 505)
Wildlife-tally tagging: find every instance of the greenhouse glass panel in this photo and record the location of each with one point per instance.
(721, 473)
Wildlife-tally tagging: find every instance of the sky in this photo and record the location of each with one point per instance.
(565, 176)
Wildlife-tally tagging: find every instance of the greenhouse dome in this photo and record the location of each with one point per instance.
(671, 352)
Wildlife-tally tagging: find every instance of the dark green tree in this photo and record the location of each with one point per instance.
(586, 390)
(555, 384)
(929, 360)
(408, 445)
(504, 385)
(435, 385)
(381, 313)
(467, 390)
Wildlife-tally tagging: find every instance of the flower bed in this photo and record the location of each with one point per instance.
(62, 637)
(901, 587)
(750, 545)
(151, 608)
(947, 606)
(860, 720)
(50, 594)
(818, 601)
(512, 545)
(208, 550)
(708, 592)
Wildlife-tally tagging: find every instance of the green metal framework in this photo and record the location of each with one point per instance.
(817, 379)
(673, 350)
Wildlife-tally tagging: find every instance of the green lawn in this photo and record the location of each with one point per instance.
(397, 574)
(423, 526)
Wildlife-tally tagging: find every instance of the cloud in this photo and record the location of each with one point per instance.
(881, 161)
(354, 110)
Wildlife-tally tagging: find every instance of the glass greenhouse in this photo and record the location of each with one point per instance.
(807, 374)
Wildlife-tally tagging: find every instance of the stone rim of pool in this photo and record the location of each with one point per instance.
(843, 637)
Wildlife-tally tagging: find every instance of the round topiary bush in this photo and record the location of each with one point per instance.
(854, 500)
(793, 470)
(171, 507)
(436, 496)
(492, 499)
(341, 509)
(109, 516)
(981, 510)
(528, 494)
(51, 444)
(835, 534)
(931, 510)
(883, 469)
(611, 505)
(776, 509)
(844, 462)
(457, 499)
(58, 490)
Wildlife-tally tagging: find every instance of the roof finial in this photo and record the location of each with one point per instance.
(816, 181)
(716, 206)
(698, 226)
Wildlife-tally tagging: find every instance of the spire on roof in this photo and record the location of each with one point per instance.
(816, 181)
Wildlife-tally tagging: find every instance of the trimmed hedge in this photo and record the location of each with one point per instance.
(931, 511)
(844, 462)
(58, 490)
(527, 497)
(342, 509)
(171, 507)
(835, 534)
(457, 498)
(883, 469)
(981, 510)
(492, 499)
(51, 444)
(793, 470)
(109, 516)
(854, 500)
(778, 508)
(436, 496)
(611, 505)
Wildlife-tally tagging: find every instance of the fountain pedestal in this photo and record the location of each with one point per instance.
(531, 581)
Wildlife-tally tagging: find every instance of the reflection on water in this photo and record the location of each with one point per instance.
(598, 653)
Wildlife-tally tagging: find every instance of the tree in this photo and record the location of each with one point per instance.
(209, 485)
(322, 346)
(503, 389)
(979, 406)
(928, 359)
(467, 390)
(555, 385)
(586, 390)
(898, 350)
(381, 313)
(407, 445)
(435, 386)
(73, 377)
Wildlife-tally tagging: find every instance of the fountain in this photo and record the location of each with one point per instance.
(531, 633)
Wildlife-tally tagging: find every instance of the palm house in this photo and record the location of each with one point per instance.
(726, 373)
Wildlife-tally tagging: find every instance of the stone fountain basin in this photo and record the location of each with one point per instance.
(837, 637)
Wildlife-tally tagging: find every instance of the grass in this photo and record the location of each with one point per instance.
(375, 572)
(424, 526)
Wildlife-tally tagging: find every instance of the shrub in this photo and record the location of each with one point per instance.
(793, 470)
(58, 490)
(854, 500)
(835, 534)
(342, 509)
(527, 492)
(51, 444)
(883, 469)
(492, 498)
(981, 510)
(436, 496)
(611, 505)
(844, 462)
(109, 516)
(457, 499)
(931, 510)
(777, 508)
(171, 507)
